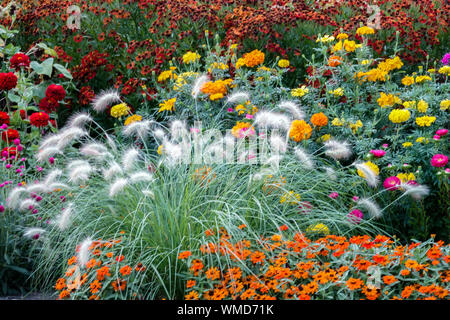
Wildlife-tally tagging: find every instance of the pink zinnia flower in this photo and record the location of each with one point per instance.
(230, 109)
(249, 116)
(436, 137)
(355, 216)
(385, 145)
(333, 195)
(378, 153)
(439, 160)
(355, 198)
(391, 183)
(442, 132)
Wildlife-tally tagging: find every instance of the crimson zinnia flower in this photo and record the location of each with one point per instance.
(39, 119)
(55, 92)
(7, 81)
(10, 135)
(19, 60)
(439, 160)
(48, 105)
(4, 118)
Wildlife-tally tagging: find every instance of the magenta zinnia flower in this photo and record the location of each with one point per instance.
(378, 153)
(446, 59)
(442, 132)
(391, 183)
(439, 160)
(333, 195)
(355, 216)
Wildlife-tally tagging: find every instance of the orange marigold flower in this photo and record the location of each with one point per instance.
(354, 283)
(300, 130)
(334, 61)
(184, 255)
(125, 270)
(253, 58)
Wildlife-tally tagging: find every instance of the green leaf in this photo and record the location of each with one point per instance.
(63, 70)
(44, 67)
(13, 97)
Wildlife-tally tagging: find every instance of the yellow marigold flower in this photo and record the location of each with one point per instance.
(364, 62)
(217, 66)
(216, 96)
(319, 119)
(342, 36)
(422, 140)
(420, 79)
(299, 92)
(290, 198)
(422, 106)
(431, 70)
(387, 100)
(339, 92)
(240, 63)
(283, 63)
(445, 70)
(409, 104)
(190, 57)
(167, 105)
(444, 104)
(233, 46)
(253, 58)
(318, 228)
(349, 45)
(365, 30)
(300, 130)
(132, 119)
(337, 47)
(390, 64)
(216, 89)
(325, 38)
(120, 110)
(408, 80)
(338, 122)
(399, 115)
(372, 166)
(425, 121)
(181, 80)
(160, 149)
(355, 126)
(407, 144)
(262, 68)
(373, 75)
(324, 138)
(405, 177)
(166, 75)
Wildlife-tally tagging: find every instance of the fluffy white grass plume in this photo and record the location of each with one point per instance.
(63, 220)
(141, 176)
(97, 150)
(57, 185)
(28, 204)
(178, 130)
(267, 119)
(32, 232)
(80, 173)
(331, 173)
(49, 140)
(52, 176)
(262, 174)
(37, 188)
(138, 129)
(117, 186)
(159, 134)
(278, 143)
(274, 162)
(416, 191)
(68, 135)
(371, 207)
(337, 150)
(113, 170)
(174, 152)
(149, 193)
(370, 176)
(198, 84)
(104, 99)
(45, 154)
(237, 97)
(77, 163)
(292, 108)
(79, 120)
(129, 158)
(304, 158)
(111, 142)
(83, 253)
(13, 199)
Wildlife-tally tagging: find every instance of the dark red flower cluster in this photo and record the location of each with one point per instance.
(10, 152)
(39, 119)
(8, 81)
(10, 135)
(89, 66)
(4, 118)
(86, 95)
(19, 60)
(56, 92)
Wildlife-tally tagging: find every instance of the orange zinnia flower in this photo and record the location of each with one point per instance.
(125, 270)
(184, 255)
(354, 283)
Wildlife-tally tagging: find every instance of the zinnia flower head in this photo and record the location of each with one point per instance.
(392, 183)
(56, 92)
(355, 216)
(442, 132)
(19, 60)
(378, 153)
(39, 119)
(439, 160)
(8, 81)
(446, 59)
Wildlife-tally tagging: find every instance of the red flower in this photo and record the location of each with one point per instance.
(10, 152)
(19, 60)
(7, 81)
(10, 135)
(56, 92)
(4, 118)
(39, 119)
(78, 38)
(86, 95)
(48, 105)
